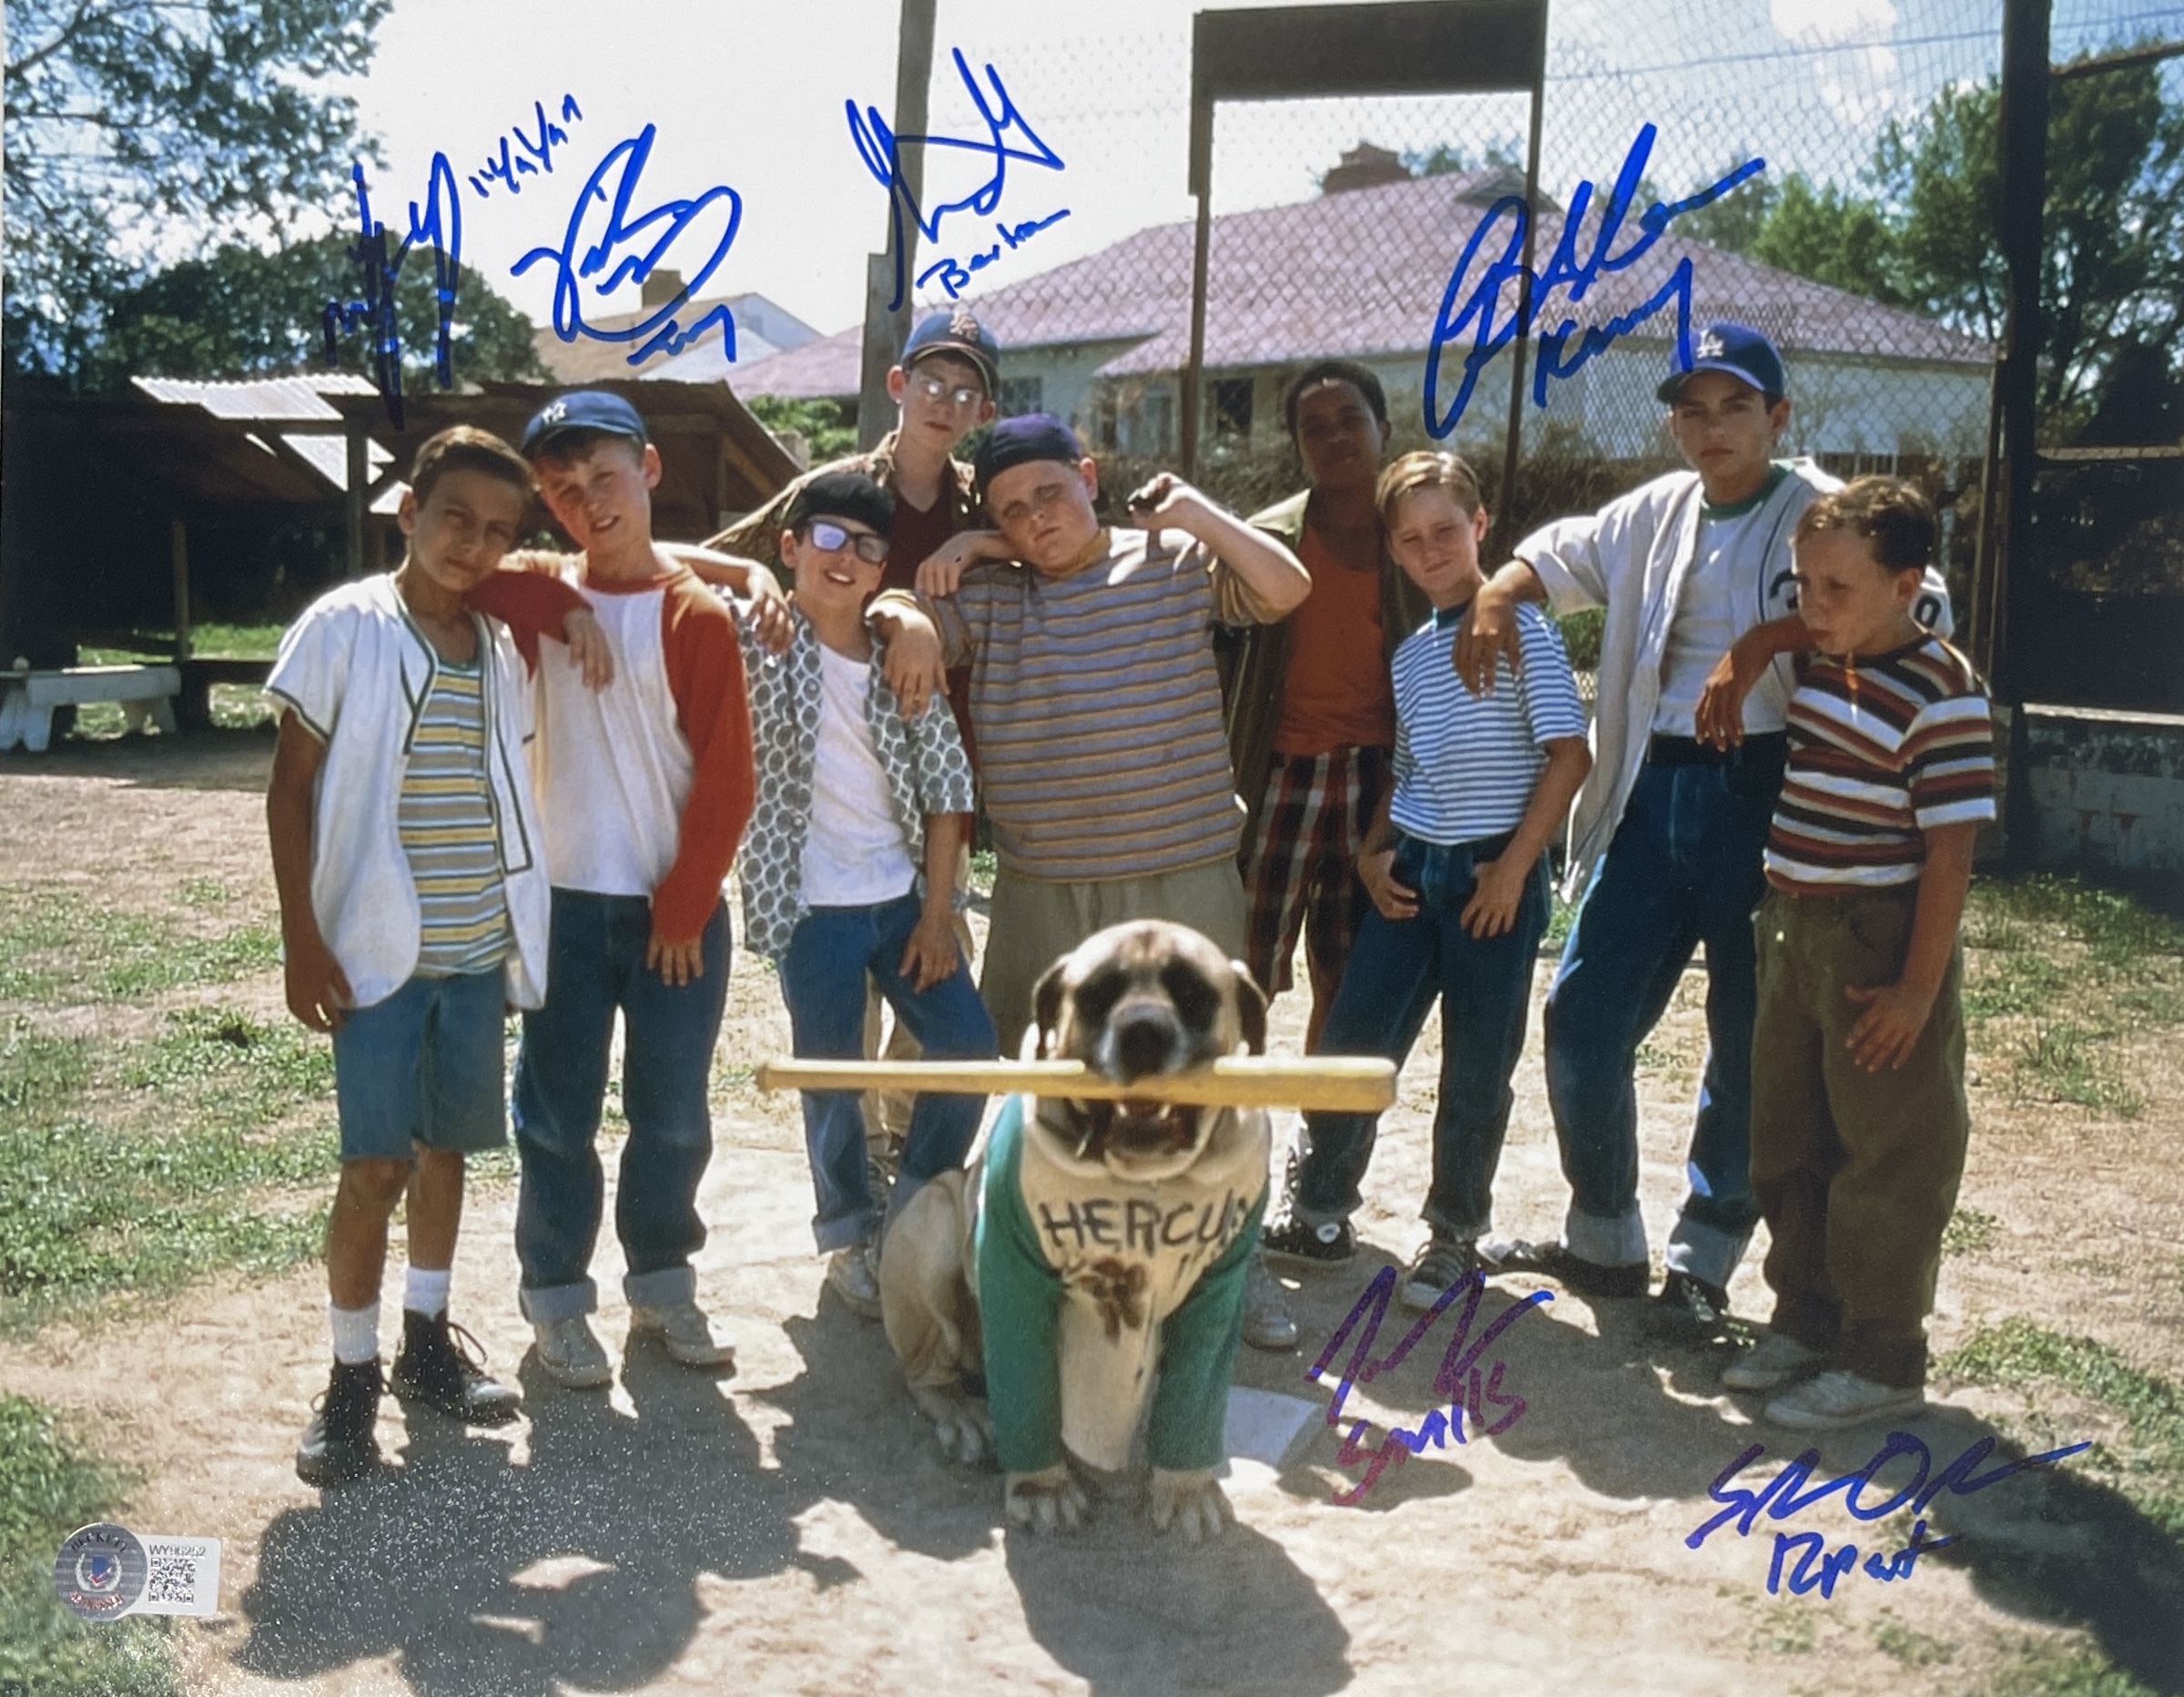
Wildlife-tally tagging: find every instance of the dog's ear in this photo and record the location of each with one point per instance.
(1046, 1004)
(1251, 1008)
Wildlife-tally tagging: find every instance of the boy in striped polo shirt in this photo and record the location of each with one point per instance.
(1859, 1121)
(1456, 866)
(414, 903)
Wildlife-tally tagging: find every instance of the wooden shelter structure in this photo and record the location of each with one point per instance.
(107, 499)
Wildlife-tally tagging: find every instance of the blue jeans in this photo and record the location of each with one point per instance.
(596, 967)
(823, 982)
(425, 1067)
(1684, 868)
(1395, 970)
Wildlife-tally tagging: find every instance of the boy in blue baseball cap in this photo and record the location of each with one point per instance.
(1671, 827)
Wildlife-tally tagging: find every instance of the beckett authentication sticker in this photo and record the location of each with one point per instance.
(100, 1571)
(105, 1572)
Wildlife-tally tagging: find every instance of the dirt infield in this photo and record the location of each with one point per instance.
(793, 1529)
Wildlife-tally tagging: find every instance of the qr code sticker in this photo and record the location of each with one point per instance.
(173, 1578)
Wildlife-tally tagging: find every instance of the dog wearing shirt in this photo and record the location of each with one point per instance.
(1090, 1260)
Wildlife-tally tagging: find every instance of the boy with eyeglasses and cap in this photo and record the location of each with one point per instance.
(849, 868)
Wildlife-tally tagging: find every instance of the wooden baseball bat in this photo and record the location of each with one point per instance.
(1333, 1083)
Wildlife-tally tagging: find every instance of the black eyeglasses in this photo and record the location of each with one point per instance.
(828, 538)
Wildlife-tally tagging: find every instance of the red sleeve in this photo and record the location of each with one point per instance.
(704, 676)
(532, 602)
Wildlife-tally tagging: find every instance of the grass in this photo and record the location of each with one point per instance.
(49, 1486)
(2068, 971)
(234, 706)
(1907, 1645)
(1968, 1232)
(2052, 1668)
(138, 1167)
(57, 946)
(2148, 1469)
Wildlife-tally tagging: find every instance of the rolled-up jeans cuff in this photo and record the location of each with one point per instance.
(849, 1228)
(1447, 1225)
(659, 1289)
(1609, 1242)
(549, 1302)
(1705, 1252)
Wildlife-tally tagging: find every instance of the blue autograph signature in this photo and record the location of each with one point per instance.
(630, 244)
(955, 278)
(1459, 1364)
(535, 156)
(1784, 1495)
(439, 225)
(1474, 313)
(881, 150)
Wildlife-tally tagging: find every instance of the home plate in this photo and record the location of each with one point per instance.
(1263, 1426)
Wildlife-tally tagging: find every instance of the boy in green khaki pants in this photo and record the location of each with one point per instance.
(1859, 1122)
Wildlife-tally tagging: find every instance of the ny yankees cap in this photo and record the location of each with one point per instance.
(585, 409)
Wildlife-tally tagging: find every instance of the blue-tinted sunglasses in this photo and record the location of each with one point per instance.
(828, 538)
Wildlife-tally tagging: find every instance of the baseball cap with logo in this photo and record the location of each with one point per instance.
(956, 330)
(583, 409)
(1738, 349)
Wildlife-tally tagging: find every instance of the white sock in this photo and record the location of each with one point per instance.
(424, 1291)
(356, 1333)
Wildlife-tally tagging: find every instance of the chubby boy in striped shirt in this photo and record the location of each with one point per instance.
(1859, 1121)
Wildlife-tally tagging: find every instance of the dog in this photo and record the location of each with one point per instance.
(1089, 1261)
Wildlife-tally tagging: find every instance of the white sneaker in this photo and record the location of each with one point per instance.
(686, 1331)
(850, 1276)
(1773, 1363)
(1838, 1398)
(570, 1354)
(1267, 1322)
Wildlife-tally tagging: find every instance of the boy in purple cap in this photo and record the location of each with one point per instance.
(1671, 825)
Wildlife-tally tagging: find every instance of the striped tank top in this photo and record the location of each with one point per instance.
(448, 831)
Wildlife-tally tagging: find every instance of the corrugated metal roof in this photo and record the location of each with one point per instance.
(1361, 274)
(260, 398)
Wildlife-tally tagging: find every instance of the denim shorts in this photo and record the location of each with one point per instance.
(424, 1066)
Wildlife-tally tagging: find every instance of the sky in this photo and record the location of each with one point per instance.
(749, 96)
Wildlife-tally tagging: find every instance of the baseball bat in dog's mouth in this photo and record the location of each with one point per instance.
(1329, 1083)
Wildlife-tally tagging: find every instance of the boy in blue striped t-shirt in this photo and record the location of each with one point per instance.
(1456, 866)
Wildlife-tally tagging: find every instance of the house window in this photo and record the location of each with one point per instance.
(1232, 407)
(1022, 394)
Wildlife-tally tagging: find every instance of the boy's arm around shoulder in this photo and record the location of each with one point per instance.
(534, 600)
(704, 655)
(1258, 577)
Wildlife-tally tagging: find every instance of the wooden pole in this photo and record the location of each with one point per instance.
(1505, 498)
(886, 326)
(359, 478)
(178, 554)
(1331, 1083)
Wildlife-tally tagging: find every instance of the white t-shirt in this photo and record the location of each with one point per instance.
(1706, 624)
(854, 851)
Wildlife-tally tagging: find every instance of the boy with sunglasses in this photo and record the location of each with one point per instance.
(943, 388)
(849, 870)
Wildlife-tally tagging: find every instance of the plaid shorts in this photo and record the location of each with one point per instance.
(1296, 861)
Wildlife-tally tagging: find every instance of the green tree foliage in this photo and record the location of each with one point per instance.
(1924, 232)
(127, 119)
(820, 422)
(245, 313)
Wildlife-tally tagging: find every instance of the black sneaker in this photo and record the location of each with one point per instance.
(1688, 1307)
(338, 1445)
(1330, 1245)
(1588, 1278)
(449, 1377)
(1443, 1263)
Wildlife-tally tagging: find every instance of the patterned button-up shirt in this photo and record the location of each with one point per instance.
(923, 759)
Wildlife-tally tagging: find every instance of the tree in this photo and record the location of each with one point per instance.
(128, 118)
(2112, 266)
(1734, 222)
(246, 313)
(1830, 235)
(819, 421)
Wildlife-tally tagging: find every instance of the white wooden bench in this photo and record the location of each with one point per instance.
(147, 695)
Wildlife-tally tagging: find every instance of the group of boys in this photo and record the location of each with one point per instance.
(515, 779)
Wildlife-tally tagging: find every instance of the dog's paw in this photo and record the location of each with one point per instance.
(1193, 1501)
(1046, 1501)
(966, 1433)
